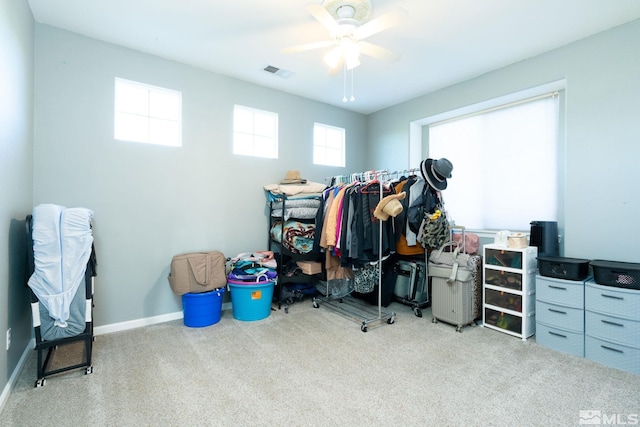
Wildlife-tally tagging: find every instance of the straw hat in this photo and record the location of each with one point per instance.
(389, 206)
(293, 177)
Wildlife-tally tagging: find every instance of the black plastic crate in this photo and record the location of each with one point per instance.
(618, 274)
(563, 268)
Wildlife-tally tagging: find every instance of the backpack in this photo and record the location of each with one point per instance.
(425, 203)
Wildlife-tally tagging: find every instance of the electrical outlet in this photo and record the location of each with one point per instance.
(8, 338)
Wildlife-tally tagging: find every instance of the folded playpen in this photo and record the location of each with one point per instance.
(61, 266)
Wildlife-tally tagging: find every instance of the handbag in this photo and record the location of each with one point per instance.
(471, 241)
(435, 229)
(451, 265)
(366, 278)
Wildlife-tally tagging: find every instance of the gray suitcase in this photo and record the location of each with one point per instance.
(412, 285)
(455, 300)
(456, 303)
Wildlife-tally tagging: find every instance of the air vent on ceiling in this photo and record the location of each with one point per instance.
(278, 71)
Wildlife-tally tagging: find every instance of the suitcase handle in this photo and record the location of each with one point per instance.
(462, 228)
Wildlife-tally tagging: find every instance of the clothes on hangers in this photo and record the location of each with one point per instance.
(350, 231)
(403, 247)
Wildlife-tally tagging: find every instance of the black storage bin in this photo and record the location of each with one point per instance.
(618, 274)
(563, 268)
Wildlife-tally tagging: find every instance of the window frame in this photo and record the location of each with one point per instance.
(255, 142)
(499, 103)
(160, 121)
(325, 146)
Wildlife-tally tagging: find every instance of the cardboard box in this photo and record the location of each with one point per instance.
(517, 240)
(310, 267)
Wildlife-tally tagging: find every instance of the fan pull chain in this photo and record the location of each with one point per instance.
(344, 83)
(353, 98)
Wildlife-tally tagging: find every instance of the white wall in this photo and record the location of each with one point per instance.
(153, 202)
(602, 112)
(16, 145)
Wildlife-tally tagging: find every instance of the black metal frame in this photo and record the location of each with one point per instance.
(51, 345)
(283, 255)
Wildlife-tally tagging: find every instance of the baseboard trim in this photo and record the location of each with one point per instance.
(147, 321)
(14, 376)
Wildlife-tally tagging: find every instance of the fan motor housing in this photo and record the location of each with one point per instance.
(351, 10)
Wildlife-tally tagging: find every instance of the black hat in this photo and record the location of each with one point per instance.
(436, 172)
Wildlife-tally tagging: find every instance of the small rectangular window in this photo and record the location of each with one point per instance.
(328, 145)
(255, 132)
(149, 114)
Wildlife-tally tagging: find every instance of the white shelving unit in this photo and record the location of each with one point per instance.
(508, 294)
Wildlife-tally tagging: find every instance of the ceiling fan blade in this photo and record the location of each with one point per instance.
(308, 46)
(377, 52)
(381, 23)
(323, 16)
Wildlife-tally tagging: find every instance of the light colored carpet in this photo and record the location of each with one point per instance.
(313, 367)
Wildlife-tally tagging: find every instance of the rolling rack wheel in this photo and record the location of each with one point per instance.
(459, 328)
(417, 312)
(315, 303)
(88, 370)
(434, 320)
(391, 319)
(363, 328)
(40, 382)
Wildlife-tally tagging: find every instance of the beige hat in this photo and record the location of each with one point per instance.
(293, 177)
(389, 206)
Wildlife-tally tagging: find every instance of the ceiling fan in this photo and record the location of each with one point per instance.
(348, 24)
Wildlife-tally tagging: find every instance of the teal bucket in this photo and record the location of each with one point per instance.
(251, 300)
(202, 309)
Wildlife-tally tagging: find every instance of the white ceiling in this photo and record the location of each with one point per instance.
(443, 42)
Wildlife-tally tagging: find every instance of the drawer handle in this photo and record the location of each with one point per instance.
(557, 311)
(612, 323)
(558, 287)
(612, 349)
(612, 296)
(557, 334)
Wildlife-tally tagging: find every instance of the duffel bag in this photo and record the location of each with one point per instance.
(460, 275)
(454, 266)
(197, 272)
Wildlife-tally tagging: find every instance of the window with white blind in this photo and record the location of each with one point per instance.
(149, 114)
(328, 145)
(255, 132)
(505, 164)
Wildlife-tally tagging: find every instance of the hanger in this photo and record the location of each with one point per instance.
(386, 189)
(367, 187)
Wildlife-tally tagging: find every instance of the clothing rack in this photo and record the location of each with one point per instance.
(348, 306)
(369, 175)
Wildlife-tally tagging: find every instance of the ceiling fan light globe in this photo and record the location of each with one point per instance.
(332, 58)
(352, 62)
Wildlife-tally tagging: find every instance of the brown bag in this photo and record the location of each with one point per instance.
(197, 272)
